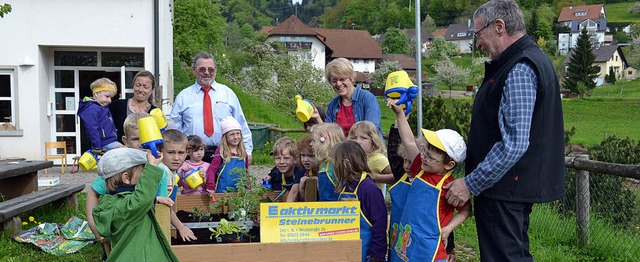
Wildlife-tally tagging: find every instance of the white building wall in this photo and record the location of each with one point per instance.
(363, 65)
(35, 27)
(317, 51)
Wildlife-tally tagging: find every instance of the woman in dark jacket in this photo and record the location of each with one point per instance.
(144, 84)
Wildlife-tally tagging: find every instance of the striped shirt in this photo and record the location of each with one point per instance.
(514, 119)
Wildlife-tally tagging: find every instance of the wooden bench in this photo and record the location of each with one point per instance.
(12, 208)
(19, 178)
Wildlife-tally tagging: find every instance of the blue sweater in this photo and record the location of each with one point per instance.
(98, 123)
(365, 107)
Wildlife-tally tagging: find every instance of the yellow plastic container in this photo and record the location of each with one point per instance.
(194, 179)
(88, 161)
(150, 137)
(160, 119)
(304, 109)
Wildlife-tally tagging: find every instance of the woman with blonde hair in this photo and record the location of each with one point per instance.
(352, 103)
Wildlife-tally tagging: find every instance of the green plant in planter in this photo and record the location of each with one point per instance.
(199, 215)
(244, 204)
(226, 228)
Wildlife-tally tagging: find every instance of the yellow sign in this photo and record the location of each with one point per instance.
(309, 221)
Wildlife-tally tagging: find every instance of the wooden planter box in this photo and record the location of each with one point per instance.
(263, 252)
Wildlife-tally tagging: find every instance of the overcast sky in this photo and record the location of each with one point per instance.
(296, 1)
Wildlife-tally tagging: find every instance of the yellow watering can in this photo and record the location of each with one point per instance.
(399, 86)
(194, 178)
(88, 161)
(304, 109)
(150, 137)
(157, 114)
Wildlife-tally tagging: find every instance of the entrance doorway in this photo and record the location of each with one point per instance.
(73, 74)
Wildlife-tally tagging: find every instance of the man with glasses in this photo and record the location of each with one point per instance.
(199, 108)
(515, 153)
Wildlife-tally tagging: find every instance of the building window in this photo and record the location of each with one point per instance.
(583, 13)
(463, 34)
(7, 95)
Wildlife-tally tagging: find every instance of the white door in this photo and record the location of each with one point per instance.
(73, 73)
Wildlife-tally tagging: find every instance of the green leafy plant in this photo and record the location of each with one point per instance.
(226, 228)
(244, 204)
(200, 215)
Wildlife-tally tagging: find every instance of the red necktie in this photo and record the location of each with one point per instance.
(208, 112)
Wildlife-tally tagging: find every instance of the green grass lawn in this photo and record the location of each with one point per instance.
(611, 110)
(618, 13)
(10, 250)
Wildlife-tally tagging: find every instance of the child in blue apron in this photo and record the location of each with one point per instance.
(227, 157)
(286, 174)
(353, 183)
(421, 218)
(325, 136)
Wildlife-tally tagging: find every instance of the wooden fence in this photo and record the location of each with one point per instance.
(583, 166)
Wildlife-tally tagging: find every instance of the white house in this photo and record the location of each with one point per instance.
(51, 52)
(321, 45)
(461, 35)
(576, 18)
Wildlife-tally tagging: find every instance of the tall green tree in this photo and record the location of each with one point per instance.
(333, 15)
(395, 42)
(581, 71)
(198, 26)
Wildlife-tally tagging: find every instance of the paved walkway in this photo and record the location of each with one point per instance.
(87, 177)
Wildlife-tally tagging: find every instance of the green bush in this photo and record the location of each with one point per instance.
(611, 197)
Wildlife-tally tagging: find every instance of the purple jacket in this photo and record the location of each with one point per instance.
(98, 123)
(374, 209)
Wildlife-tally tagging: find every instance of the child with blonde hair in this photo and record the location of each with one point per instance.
(195, 150)
(229, 155)
(354, 183)
(97, 118)
(286, 174)
(325, 136)
(366, 134)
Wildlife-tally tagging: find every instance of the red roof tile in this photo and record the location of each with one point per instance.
(292, 26)
(440, 32)
(568, 13)
(350, 43)
(405, 61)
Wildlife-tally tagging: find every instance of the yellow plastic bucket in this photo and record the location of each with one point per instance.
(194, 179)
(88, 161)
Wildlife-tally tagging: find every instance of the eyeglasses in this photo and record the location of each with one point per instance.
(334, 81)
(476, 34)
(427, 157)
(202, 70)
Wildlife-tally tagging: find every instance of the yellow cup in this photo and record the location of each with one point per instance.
(88, 161)
(304, 109)
(194, 179)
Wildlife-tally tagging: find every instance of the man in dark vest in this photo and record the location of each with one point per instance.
(515, 154)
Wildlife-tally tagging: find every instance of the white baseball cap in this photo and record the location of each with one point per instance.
(448, 141)
(118, 160)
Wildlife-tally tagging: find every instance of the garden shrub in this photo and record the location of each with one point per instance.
(611, 197)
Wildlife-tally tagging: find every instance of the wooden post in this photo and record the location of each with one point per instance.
(311, 190)
(163, 215)
(583, 199)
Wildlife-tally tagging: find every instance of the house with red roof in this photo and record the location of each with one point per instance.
(321, 45)
(591, 17)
